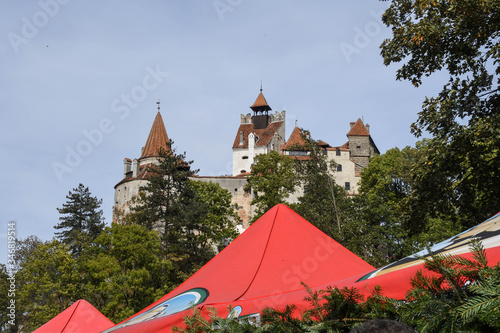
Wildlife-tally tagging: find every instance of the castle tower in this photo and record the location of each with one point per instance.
(258, 134)
(361, 145)
(134, 172)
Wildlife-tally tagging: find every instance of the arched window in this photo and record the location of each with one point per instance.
(339, 167)
(242, 138)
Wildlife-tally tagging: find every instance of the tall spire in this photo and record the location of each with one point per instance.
(157, 138)
(260, 103)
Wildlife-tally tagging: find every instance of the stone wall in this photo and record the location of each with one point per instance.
(239, 196)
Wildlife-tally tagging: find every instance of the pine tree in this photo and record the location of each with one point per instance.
(190, 217)
(81, 220)
(324, 203)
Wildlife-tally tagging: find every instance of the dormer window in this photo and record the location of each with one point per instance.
(242, 138)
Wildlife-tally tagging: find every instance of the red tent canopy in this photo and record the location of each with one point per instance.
(270, 259)
(81, 316)
(265, 265)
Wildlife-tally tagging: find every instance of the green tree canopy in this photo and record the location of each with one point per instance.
(4, 299)
(126, 272)
(218, 215)
(462, 39)
(272, 180)
(81, 219)
(48, 281)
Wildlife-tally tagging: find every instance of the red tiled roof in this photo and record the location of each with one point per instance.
(295, 139)
(157, 139)
(265, 135)
(323, 144)
(260, 103)
(358, 129)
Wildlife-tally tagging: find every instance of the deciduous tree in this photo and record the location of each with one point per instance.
(125, 271)
(272, 180)
(48, 282)
(460, 38)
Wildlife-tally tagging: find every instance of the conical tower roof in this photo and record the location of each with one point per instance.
(260, 103)
(358, 128)
(157, 139)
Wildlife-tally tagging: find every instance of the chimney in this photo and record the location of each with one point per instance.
(135, 171)
(127, 165)
(367, 128)
(352, 124)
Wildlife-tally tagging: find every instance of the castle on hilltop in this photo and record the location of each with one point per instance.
(258, 133)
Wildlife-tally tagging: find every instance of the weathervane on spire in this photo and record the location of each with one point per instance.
(261, 86)
(158, 104)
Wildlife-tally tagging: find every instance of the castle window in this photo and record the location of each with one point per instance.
(242, 138)
(245, 157)
(339, 167)
(359, 147)
(347, 186)
(243, 171)
(338, 152)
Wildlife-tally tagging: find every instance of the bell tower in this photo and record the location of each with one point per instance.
(260, 108)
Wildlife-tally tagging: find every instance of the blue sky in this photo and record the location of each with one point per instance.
(84, 76)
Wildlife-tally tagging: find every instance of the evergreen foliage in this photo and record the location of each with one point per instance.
(81, 219)
(462, 294)
(323, 203)
(328, 206)
(192, 218)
